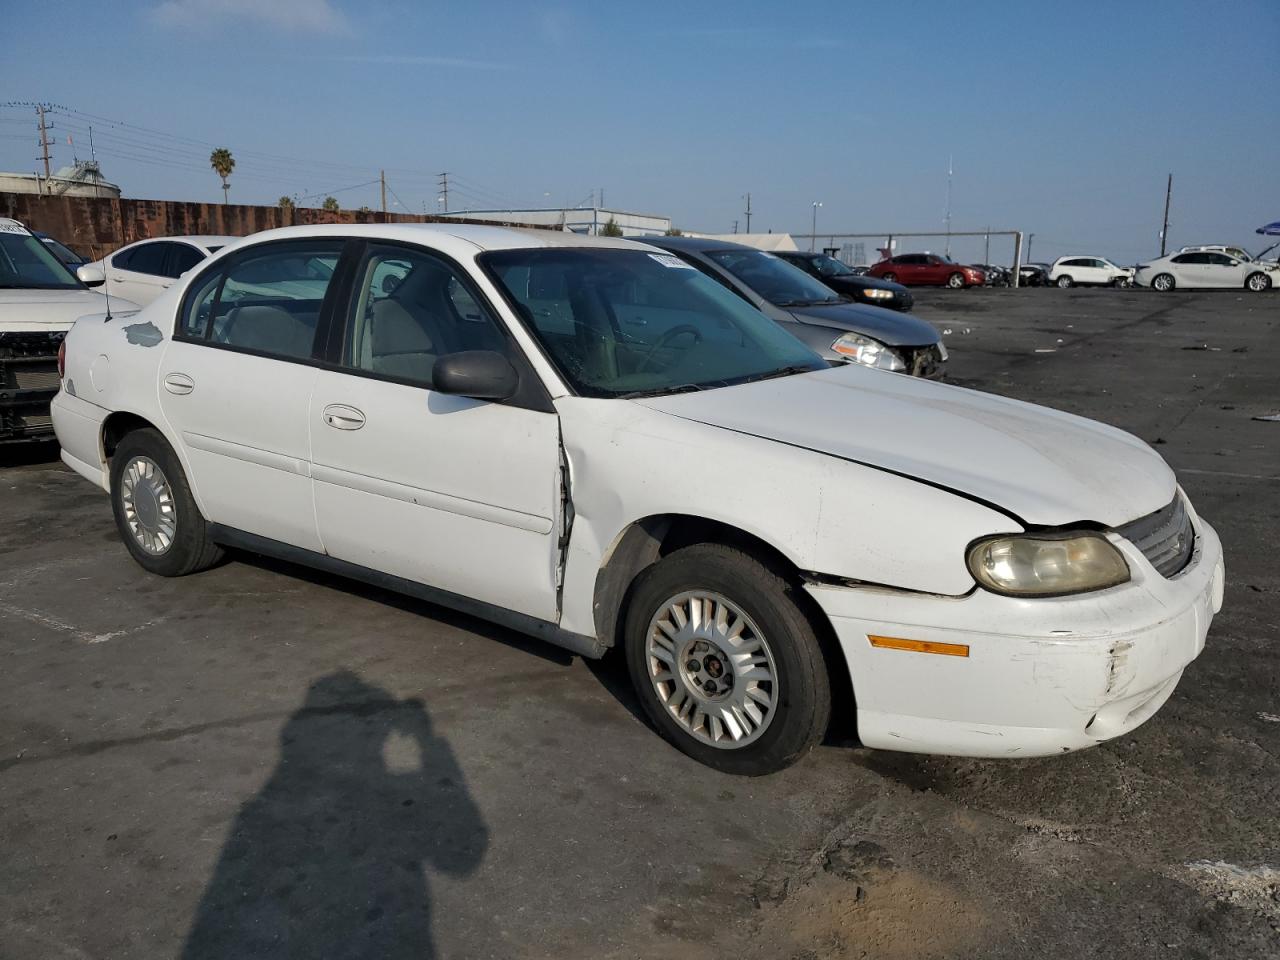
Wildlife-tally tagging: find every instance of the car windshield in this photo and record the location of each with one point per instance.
(27, 264)
(831, 267)
(773, 278)
(623, 323)
(63, 252)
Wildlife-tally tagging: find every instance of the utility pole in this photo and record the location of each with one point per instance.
(1030, 237)
(382, 176)
(602, 196)
(444, 190)
(1164, 230)
(986, 251)
(748, 215)
(44, 143)
(813, 237)
(947, 251)
(735, 226)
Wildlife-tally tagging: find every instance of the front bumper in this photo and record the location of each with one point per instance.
(1043, 676)
(28, 382)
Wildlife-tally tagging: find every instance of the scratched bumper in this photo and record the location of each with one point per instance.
(1043, 676)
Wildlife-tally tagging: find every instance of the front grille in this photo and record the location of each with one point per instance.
(1166, 537)
(30, 376)
(15, 346)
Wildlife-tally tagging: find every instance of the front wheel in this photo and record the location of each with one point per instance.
(156, 516)
(725, 662)
(955, 281)
(1257, 282)
(1064, 281)
(1163, 282)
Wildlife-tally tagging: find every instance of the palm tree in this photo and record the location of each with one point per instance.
(223, 163)
(330, 204)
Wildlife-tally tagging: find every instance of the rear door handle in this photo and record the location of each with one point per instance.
(341, 417)
(179, 383)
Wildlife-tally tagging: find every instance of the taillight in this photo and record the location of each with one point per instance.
(62, 360)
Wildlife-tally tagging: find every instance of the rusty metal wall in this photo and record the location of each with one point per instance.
(94, 226)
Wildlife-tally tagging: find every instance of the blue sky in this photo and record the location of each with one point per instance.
(1063, 120)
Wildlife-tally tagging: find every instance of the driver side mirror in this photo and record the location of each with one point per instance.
(478, 374)
(91, 276)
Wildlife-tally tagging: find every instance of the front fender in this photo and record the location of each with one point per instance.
(824, 515)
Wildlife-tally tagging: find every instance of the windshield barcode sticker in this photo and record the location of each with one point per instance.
(667, 260)
(13, 226)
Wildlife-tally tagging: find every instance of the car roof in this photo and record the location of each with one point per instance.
(700, 244)
(483, 236)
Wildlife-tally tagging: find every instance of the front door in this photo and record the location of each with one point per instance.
(138, 274)
(236, 384)
(463, 495)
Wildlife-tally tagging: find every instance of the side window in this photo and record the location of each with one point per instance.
(397, 329)
(122, 259)
(266, 300)
(182, 257)
(1184, 258)
(148, 258)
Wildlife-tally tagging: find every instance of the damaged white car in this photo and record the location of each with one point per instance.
(591, 441)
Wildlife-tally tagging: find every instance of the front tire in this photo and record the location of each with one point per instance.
(1064, 281)
(955, 281)
(1163, 282)
(156, 516)
(1257, 282)
(725, 662)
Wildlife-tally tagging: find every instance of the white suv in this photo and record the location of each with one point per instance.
(1089, 271)
(589, 440)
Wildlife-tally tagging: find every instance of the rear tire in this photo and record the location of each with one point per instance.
(725, 662)
(1257, 282)
(1064, 281)
(955, 281)
(1163, 282)
(156, 516)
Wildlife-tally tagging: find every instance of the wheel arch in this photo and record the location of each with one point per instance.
(119, 423)
(1258, 273)
(647, 540)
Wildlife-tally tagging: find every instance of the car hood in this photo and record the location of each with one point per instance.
(54, 309)
(888, 326)
(1041, 466)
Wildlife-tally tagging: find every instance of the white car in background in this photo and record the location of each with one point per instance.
(142, 271)
(589, 440)
(1089, 271)
(40, 298)
(1208, 269)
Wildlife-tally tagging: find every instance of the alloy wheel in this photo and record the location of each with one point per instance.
(712, 669)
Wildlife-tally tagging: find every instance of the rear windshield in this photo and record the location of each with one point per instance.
(773, 278)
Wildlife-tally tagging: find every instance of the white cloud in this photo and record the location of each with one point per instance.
(314, 16)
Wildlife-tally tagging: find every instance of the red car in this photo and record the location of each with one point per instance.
(928, 269)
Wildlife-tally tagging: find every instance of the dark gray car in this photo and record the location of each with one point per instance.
(836, 328)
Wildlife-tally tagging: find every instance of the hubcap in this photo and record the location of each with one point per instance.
(1162, 283)
(149, 510)
(1257, 282)
(712, 669)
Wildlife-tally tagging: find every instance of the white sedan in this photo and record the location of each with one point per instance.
(143, 270)
(458, 413)
(1089, 271)
(1208, 269)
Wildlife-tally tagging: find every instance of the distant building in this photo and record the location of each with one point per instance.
(81, 179)
(590, 220)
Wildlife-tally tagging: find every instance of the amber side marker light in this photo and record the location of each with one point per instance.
(920, 646)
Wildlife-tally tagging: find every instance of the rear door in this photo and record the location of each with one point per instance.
(463, 495)
(1189, 269)
(236, 383)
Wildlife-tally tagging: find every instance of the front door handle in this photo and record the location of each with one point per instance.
(179, 383)
(341, 417)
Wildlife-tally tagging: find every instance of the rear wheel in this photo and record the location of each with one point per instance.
(1064, 281)
(156, 516)
(955, 281)
(1257, 282)
(1163, 282)
(725, 662)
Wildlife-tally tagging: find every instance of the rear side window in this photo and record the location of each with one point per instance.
(265, 301)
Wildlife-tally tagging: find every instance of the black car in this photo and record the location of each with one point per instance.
(1033, 275)
(836, 328)
(845, 281)
(60, 250)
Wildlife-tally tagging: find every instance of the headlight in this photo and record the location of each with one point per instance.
(856, 348)
(1047, 564)
(874, 294)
